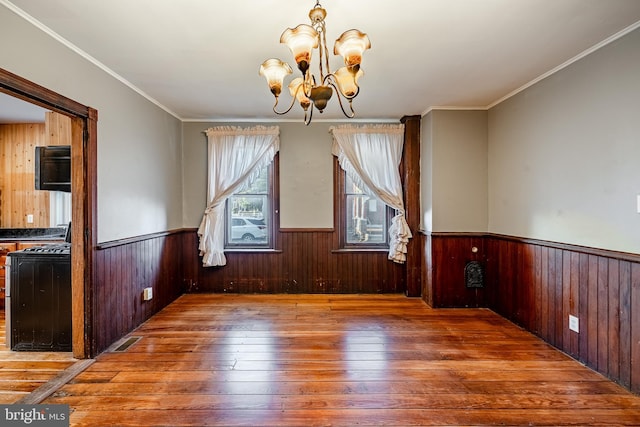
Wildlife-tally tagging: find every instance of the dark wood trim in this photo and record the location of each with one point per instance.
(411, 183)
(80, 239)
(26, 90)
(454, 234)
(338, 204)
(143, 237)
(627, 256)
(90, 226)
(252, 250)
(275, 199)
(84, 173)
(307, 230)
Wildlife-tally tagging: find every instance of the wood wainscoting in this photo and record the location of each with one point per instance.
(538, 284)
(124, 269)
(306, 262)
(446, 255)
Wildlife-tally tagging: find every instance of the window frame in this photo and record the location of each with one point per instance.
(340, 216)
(272, 220)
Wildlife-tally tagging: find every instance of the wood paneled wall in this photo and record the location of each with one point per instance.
(306, 263)
(446, 256)
(538, 284)
(124, 269)
(57, 128)
(18, 196)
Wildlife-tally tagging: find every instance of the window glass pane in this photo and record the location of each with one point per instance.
(366, 219)
(350, 187)
(260, 185)
(248, 215)
(366, 216)
(247, 220)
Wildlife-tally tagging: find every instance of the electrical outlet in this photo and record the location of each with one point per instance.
(147, 294)
(574, 324)
(30, 219)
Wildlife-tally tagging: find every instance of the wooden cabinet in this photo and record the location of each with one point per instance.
(5, 248)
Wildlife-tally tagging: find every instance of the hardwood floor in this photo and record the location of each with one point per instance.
(337, 360)
(21, 373)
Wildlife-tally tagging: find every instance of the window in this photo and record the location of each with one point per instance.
(249, 214)
(373, 154)
(363, 220)
(59, 208)
(235, 156)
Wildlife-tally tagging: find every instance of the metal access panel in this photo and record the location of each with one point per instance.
(474, 275)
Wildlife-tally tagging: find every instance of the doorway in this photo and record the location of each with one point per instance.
(83, 198)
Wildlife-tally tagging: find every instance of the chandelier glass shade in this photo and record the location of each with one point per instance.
(308, 91)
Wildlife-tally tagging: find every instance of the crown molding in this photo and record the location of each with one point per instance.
(21, 13)
(560, 67)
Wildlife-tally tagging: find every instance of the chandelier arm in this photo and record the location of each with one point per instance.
(308, 82)
(307, 120)
(353, 113)
(280, 113)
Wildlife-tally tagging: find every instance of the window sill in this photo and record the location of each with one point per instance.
(252, 250)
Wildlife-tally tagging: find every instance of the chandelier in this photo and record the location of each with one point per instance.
(307, 90)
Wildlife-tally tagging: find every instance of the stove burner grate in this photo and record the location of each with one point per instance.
(56, 248)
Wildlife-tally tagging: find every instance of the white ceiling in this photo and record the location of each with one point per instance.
(199, 59)
(14, 110)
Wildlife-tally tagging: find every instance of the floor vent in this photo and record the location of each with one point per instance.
(125, 345)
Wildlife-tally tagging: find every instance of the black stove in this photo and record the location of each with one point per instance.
(54, 249)
(38, 298)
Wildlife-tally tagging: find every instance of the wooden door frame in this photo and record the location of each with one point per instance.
(83, 199)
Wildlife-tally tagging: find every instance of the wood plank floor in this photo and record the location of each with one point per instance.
(331, 360)
(22, 372)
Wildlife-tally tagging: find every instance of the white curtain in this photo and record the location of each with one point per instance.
(371, 155)
(236, 156)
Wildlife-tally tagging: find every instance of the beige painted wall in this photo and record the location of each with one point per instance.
(139, 144)
(306, 173)
(563, 154)
(306, 176)
(454, 171)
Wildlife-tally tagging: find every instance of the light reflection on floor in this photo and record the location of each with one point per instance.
(255, 369)
(358, 342)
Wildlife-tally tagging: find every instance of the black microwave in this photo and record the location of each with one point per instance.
(53, 168)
